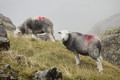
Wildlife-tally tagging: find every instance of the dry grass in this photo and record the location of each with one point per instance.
(48, 54)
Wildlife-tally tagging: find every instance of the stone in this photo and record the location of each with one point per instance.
(5, 77)
(7, 23)
(81, 79)
(7, 66)
(4, 42)
(110, 49)
(49, 74)
(21, 60)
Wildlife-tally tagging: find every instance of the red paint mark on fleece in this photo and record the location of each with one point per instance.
(41, 18)
(89, 37)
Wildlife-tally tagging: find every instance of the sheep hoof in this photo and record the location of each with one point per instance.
(101, 70)
(78, 63)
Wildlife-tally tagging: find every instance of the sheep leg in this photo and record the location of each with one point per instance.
(34, 36)
(51, 37)
(99, 65)
(77, 58)
(95, 54)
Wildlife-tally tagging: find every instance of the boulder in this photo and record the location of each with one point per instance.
(50, 74)
(4, 42)
(111, 48)
(7, 23)
(3, 33)
(4, 76)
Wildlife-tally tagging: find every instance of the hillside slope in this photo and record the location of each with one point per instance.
(41, 55)
(100, 27)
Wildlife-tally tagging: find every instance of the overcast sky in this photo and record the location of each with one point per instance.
(73, 15)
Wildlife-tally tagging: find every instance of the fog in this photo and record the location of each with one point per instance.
(73, 15)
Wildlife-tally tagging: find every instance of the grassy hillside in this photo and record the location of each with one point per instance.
(48, 54)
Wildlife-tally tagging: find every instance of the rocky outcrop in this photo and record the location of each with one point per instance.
(7, 23)
(4, 42)
(4, 76)
(111, 47)
(50, 74)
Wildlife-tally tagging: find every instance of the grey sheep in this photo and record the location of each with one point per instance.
(36, 26)
(87, 45)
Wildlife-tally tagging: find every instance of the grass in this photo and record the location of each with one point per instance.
(111, 31)
(48, 54)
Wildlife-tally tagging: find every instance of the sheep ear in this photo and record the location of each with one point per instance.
(59, 32)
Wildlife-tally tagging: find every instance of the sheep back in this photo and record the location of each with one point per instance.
(80, 43)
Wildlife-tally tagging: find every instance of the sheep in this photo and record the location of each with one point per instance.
(36, 26)
(83, 44)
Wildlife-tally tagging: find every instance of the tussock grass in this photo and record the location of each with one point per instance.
(48, 54)
(111, 31)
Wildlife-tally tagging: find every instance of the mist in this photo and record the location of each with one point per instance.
(73, 15)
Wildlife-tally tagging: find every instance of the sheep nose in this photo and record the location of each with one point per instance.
(59, 32)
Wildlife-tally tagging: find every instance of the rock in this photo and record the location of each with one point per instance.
(24, 61)
(43, 37)
(12, 78)
(111, 48)
(81, 79)
(21, 60)
(1, 71)
(3, 33)
(4, 42)
(7, 23)
(50, 74)
(7, 66)
(5, 77)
